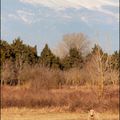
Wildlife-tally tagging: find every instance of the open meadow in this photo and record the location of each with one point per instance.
(59, 60)
(20, 103)
(42, 114)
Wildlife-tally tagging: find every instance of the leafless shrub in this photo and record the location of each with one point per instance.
(41, 77)
(112, 77)
(8, 73)
(75, 77)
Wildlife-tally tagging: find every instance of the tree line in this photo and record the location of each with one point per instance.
(19, 54)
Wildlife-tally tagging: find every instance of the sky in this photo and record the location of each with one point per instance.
(38, 22)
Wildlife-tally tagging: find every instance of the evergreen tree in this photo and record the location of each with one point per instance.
(48, 59)
(115, 60)
(74, 59)
(6, 51)
(24, 53)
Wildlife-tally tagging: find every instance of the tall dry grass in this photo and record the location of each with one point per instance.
(74, 100)
(42, 89)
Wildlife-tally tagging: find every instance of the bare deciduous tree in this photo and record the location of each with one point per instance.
(96, 68)
(74, 40)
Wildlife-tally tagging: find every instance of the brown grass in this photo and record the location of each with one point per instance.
(82, 98)
(49, 114)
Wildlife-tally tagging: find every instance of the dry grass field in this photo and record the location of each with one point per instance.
(80, 99)
(57, 104)
(42, 114)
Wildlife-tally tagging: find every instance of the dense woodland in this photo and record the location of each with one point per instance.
(18, 58)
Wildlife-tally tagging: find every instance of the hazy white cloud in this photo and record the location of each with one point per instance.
(77, 4)
(24, 12)
(13, 16)
(110, 13)
(25, 16)
(60, 5)
(58, 12)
